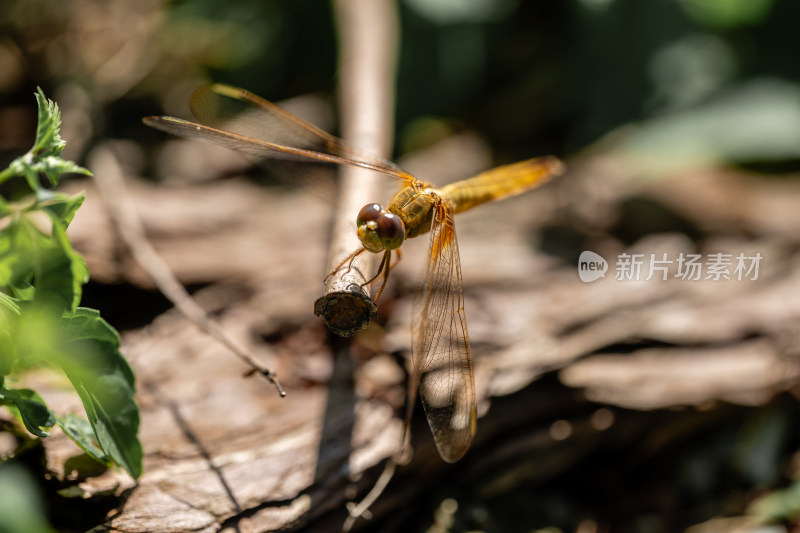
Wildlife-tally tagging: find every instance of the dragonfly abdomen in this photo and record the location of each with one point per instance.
(501, 182)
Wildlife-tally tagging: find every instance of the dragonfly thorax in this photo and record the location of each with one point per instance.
(379, 229)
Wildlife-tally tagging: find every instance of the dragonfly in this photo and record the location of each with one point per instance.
(441, 359)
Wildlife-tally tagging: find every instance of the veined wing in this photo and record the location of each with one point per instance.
(240, 120)
(441, 355)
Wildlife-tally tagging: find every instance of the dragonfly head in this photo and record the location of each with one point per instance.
(379, 229)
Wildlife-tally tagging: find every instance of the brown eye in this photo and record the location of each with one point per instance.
(391, 231)
(368, 213)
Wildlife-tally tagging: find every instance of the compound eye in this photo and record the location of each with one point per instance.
(369, 213)
(391, 231)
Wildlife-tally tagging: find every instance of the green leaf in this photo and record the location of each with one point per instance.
(9, 315)
(21, 505)
(41, 279)
(48, 139)
(31, 409)
(49, 144)
(53, 167)
(31, 174)
(7, 356)
(20, 244)
(45, 156)
(33, 336)
(60, 206)
(53, 277)
(9, 303)
(15, 251)
(31, 166)
(50, 263)
(80, 430)
(86, 348)
(23, 290)
(106, 385)
(68, 277)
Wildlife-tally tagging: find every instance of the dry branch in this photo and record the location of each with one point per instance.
(110, 183)
(367, 38)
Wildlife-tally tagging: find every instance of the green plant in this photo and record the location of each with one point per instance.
(41, 324)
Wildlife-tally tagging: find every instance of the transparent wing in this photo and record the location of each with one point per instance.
(240, 120)
(441, 354)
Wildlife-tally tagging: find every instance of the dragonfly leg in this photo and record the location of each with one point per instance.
(349, 259)
(399, 256)
(382, 268)
(385, 268)
(387, 259)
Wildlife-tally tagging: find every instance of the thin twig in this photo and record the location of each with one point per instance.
(357, 510)
(368, 47)
(368, 42)
(111, 185)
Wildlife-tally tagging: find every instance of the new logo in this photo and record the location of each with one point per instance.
(591, 266)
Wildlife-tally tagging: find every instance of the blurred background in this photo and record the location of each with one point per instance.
(679, 120)
(531, 77)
